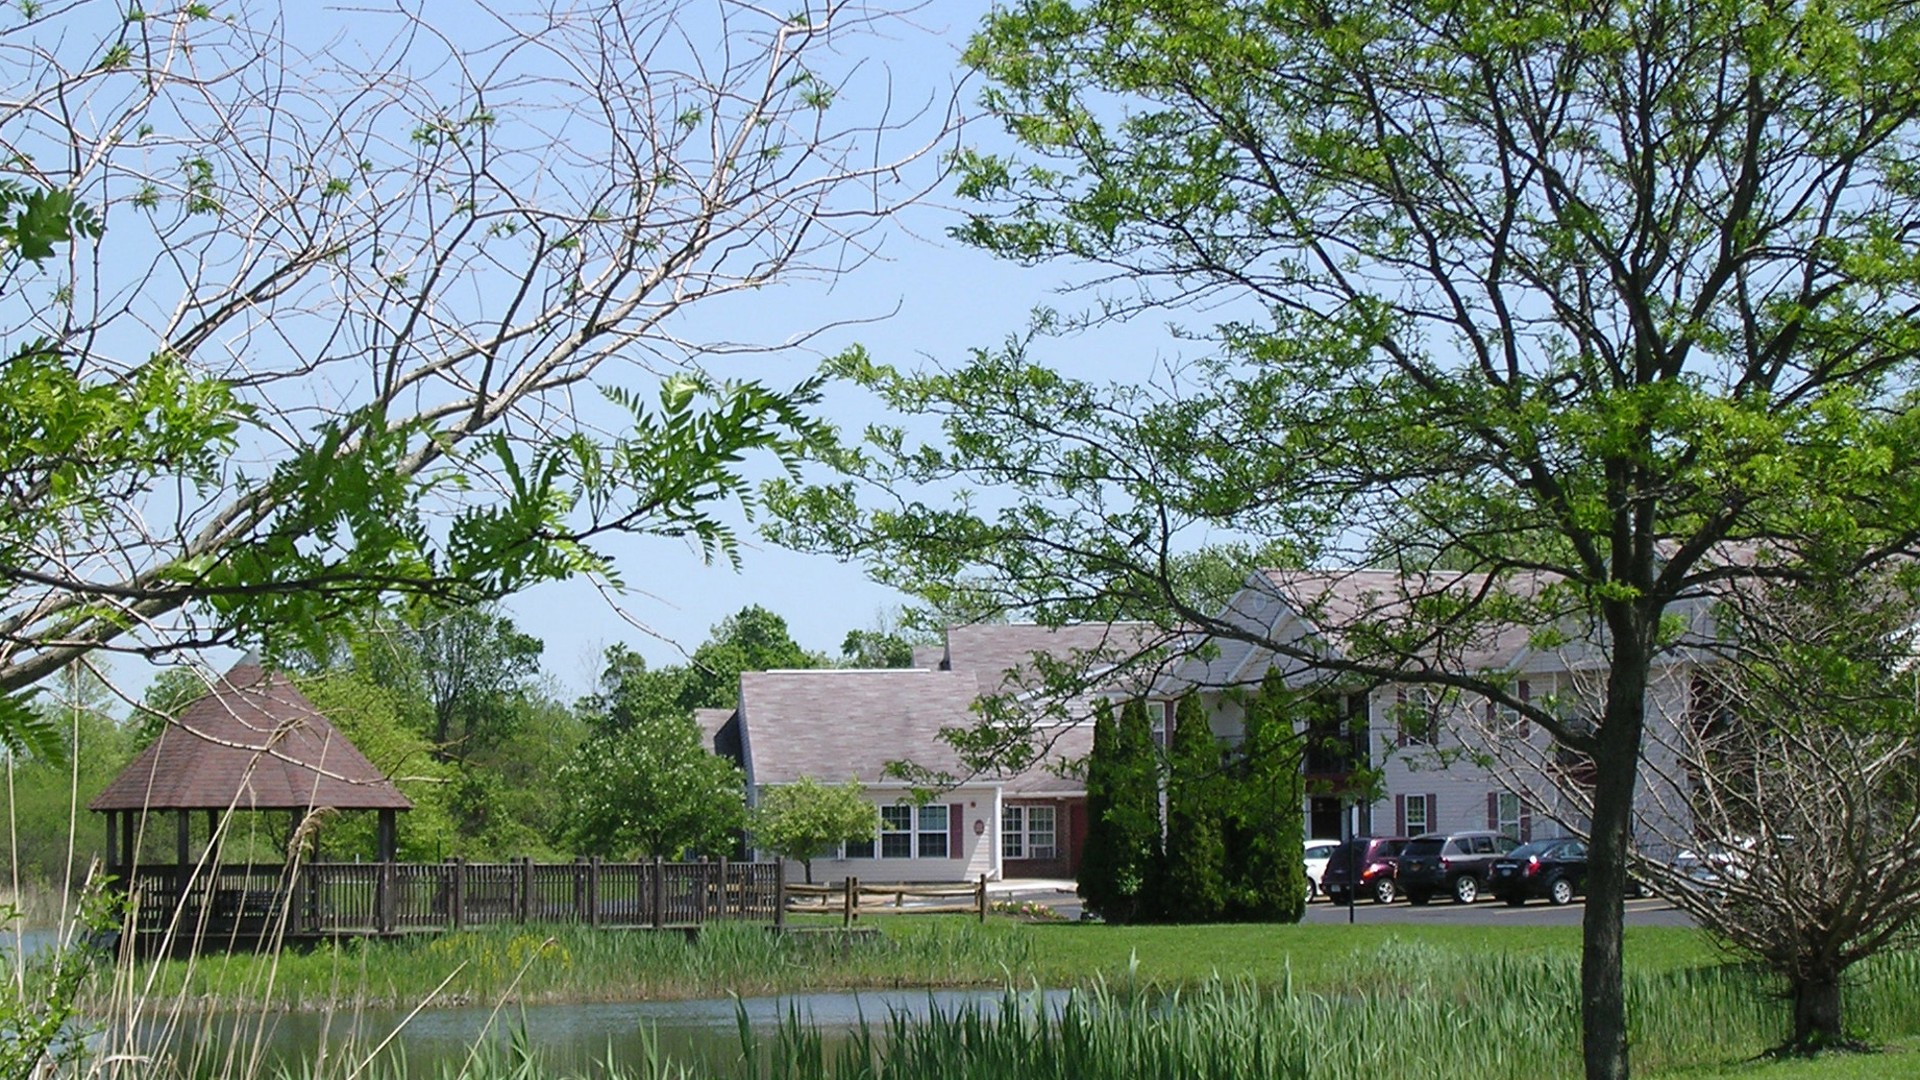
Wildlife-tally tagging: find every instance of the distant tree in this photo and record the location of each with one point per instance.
(172, 689)
(1267, 881)
(374, 718)
(752, 639)
(648, 787)
(1120, 862)
(477, 667)
(801, 820)
(48, 788)
(1194, 887)
(876, 649)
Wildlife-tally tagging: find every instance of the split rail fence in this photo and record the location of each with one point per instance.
(850, 899)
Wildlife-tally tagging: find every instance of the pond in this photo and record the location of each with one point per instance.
(566, 1038)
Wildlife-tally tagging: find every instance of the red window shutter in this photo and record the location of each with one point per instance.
(956, 829)
(1399, 815)
(1526, 691)
(1493, 809)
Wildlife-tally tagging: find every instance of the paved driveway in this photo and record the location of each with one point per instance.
(1648, 912)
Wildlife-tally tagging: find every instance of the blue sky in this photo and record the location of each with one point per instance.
(930, 300)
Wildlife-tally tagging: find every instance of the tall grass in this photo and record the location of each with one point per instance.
(1426, 1013)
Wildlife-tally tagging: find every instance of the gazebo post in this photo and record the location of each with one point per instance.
(113, 844)
(389, 842)
(182, 870)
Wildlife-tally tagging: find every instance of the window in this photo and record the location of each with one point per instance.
(1418, 814)
(933, 831)
(1505, 721)
(1163, 723)
(1506, 813)
(1027, 832)
(1417, 715)
(896, 832)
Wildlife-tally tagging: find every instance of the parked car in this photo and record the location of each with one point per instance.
(1370, 859)
(1554, 869)
(1315, 863)
(1460, 863)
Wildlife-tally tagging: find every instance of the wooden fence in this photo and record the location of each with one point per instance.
(344, 899)
(850, 899)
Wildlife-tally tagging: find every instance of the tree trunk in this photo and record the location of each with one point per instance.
(807, 865)
(1816, 1011)
(1616, 760)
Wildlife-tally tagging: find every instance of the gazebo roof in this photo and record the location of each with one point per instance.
(254, 742)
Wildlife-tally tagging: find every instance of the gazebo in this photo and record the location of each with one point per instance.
(253, 742)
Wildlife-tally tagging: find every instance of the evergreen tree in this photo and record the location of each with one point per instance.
(1098, 858)
(1120, 862)
(1267, 883)
(1194, 887)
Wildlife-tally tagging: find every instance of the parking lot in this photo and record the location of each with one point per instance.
(1651, 911)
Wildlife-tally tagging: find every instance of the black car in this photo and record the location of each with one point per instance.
(1555, 869)
(1371, 860)
(1460, 863)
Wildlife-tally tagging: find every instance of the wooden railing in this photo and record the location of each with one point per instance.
(325, 899)
(850, 899)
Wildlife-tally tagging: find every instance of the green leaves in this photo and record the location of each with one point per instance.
(34, 221)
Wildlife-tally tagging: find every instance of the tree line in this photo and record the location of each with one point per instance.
(453, 704)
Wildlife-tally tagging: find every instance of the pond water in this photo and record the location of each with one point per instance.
(573, 1038)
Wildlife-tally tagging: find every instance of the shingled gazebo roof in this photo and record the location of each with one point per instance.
(254, 742)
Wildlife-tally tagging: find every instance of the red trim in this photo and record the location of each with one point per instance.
(956, 831)
(1399, 815)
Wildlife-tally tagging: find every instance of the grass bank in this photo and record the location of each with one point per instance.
(559, 964)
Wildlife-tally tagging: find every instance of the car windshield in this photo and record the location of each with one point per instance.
(1424, 846)
(1320, 851)
(1538, 847)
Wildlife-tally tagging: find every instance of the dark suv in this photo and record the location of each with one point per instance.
(1457, 862)
(1371, 859)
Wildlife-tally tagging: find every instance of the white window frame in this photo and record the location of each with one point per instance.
(896, 831)
(1426, 813)
(925, 814)
(1013, 832)
(1509, 825)
(1422, 703)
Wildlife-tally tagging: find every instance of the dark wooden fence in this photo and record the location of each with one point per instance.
(342, 899)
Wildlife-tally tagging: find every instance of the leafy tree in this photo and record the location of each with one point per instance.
(1195, 887)
(374, 719)
(800, 820)
(1120, 863)
(335, 319)
(1266, 882)
(1555, 309)
(53, 838)
(651, 790)
(753, 639)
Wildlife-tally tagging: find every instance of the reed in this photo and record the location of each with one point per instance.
(1440, 1014)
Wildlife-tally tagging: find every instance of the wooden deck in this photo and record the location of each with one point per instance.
(244, 906)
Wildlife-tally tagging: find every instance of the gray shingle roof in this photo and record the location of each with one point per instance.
(840, 725)
(253, 743)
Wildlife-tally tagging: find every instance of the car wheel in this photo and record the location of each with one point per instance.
(1383, 891)
(1418, 899)
(1466, 888)
(1337, 898)
(1560, 893)
(1516, 900)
